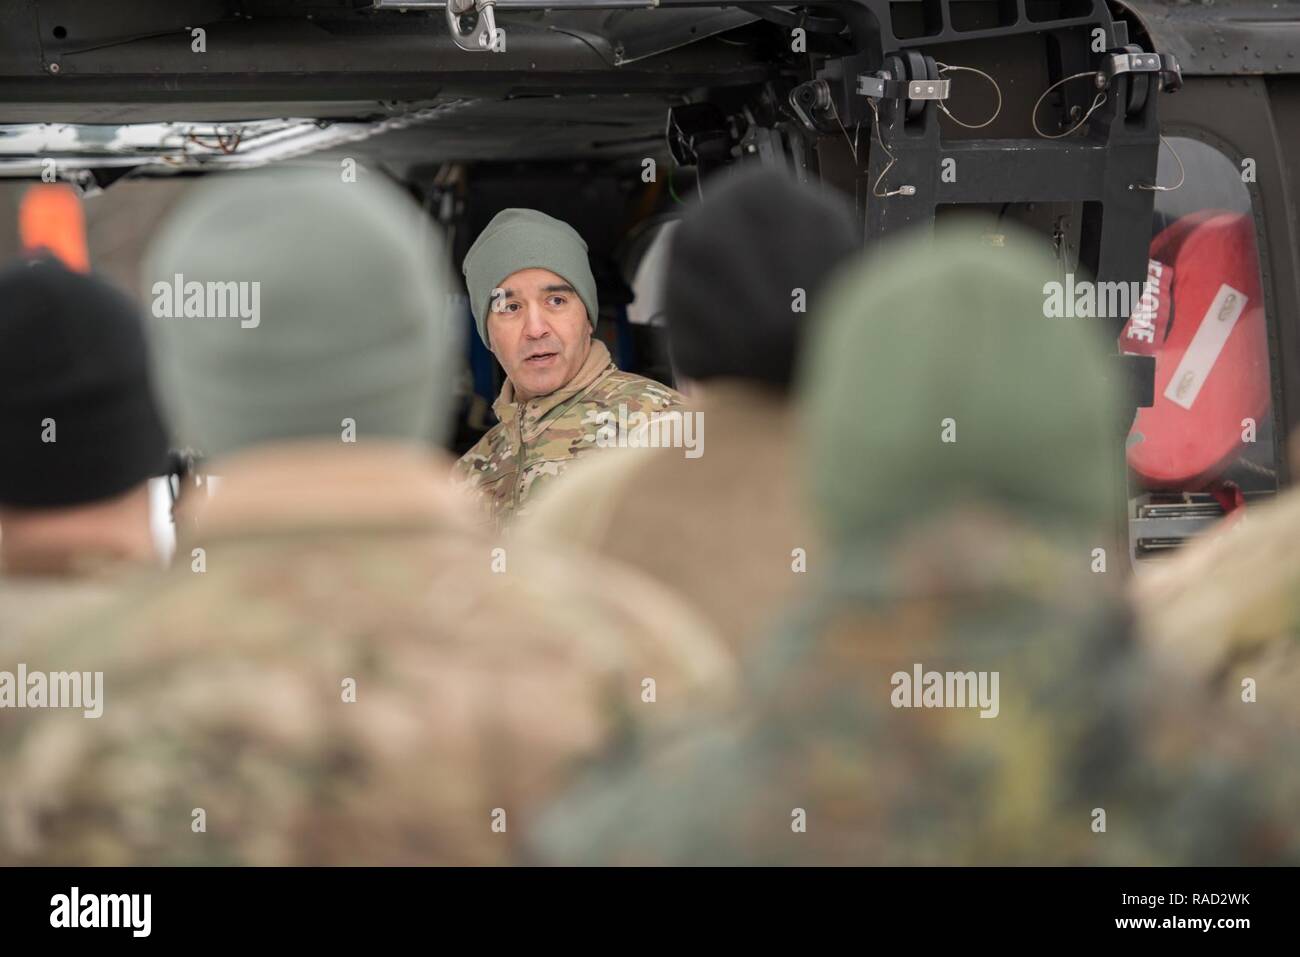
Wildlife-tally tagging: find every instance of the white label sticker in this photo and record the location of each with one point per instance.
(1203, 351)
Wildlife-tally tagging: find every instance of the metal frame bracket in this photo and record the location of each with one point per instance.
(1163, 65)
(882, 86)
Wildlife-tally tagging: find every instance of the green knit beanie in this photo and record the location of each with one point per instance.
(935, 379)
(526, 239)
(353, 319)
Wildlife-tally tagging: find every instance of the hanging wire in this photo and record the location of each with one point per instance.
(1182, 173)
(945, 68)
(227, 143)
(875, 187)
(1097, 102)
(853, 143)
(942, 68)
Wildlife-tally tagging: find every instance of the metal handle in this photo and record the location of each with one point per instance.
(482, 37)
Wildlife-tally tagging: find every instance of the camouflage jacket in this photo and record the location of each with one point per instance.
(34, 603)
(346, 673)
(536, 441)
(726, 530)
(1086, 752)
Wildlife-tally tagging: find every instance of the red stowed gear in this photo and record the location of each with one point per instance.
(1212, 364)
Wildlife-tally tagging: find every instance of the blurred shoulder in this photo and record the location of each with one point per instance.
(580, 510)
(1227, 596)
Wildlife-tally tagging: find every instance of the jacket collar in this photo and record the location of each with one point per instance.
(537, 412)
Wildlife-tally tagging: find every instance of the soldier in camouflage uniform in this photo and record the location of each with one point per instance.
(533, 297)
(339, 668)
(723, 523)
(80, 437)
(963, 517)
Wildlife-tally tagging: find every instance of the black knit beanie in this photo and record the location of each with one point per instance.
(73, 368)
(737, 264)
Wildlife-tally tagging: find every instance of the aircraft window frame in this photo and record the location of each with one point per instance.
(1162, 521)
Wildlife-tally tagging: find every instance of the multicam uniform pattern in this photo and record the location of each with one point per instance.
(475, 689)
(536, 441)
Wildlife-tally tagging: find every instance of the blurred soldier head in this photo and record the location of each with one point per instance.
(973, 397)
(745, 270)
(533, 297)
(78, 427)
(292, 306)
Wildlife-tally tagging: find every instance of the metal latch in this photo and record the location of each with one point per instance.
(928, 89)
(882, 86)
(485, 35)
(1164, 65)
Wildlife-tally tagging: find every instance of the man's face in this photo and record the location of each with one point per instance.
(538, 330)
